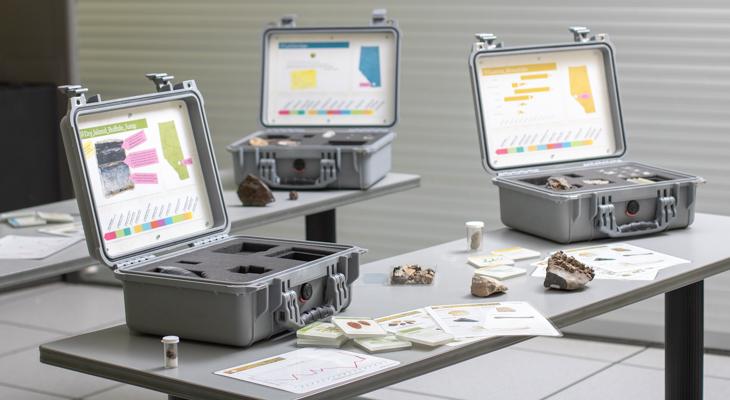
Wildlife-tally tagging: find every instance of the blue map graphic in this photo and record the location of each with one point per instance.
(370, 64)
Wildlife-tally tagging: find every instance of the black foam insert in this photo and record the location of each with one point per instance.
(239, 260)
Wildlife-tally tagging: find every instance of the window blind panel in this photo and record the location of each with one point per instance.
(674, 78)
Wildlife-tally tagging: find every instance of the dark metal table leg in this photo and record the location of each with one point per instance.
(322, 226)
(684, 346)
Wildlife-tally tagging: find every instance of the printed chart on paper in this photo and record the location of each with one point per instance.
(308, 369)
(545, 107)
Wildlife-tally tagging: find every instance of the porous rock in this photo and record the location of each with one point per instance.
(254, 192)
(558, 183)
(566, 273)
(412, 274)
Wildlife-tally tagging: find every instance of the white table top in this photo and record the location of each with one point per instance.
(117, 354)
(76, 257)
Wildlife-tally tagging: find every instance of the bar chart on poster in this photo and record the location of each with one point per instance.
(144, 173)
(545, 107)
(330, 78)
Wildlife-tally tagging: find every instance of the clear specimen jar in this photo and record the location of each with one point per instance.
(169, 346)
(474, 235)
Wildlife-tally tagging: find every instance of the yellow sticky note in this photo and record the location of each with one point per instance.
(304, 79)
(88, 148)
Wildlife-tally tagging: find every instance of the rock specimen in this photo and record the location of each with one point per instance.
(293, 195)
(558, 183)
(412, 274)
(566, 273)
(254, 192)
(258, 142)
(483, 286)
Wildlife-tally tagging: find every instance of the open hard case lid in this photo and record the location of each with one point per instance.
(549, 105)
(330, 77)
(144, 172)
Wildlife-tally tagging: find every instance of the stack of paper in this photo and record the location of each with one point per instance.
(426, 336)
(382, 344)
(321, 334)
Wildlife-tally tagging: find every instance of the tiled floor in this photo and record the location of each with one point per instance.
(540, 368)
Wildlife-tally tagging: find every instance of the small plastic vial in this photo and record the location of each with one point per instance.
(169, 345)
(474, 235)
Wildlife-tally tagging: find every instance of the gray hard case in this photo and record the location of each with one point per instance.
(618, 209)
(208, 286)
(356, 157)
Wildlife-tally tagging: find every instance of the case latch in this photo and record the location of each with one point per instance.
(581, 34)
(288, 21)
(379, 17)
(162, 81)
(75, 93)
(486, 41)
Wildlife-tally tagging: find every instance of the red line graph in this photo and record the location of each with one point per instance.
(355, 365)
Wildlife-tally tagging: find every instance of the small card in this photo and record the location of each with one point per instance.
(320, 330)
(55, 216)
(22, 222)
(502, 272)
(355, 327)
(15, 214)
(426, 336)
(382, 344)
(516, 253)
(333, 344)
(487, 261)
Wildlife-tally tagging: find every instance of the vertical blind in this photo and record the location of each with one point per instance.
(674, 77)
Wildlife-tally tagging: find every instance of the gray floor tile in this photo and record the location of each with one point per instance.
(23, 369)
(19, 394)
(70, 309)
(714, 365)
(502, 375)
(12, 295)
(579, 348)
(15, 338)
(127, 392)
(628, 382)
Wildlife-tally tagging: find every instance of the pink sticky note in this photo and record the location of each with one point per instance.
(144, 177)
(134, 140)
(187, 161)
(142, 158)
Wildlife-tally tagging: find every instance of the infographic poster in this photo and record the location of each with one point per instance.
(545, 107)
(331, 78)
(145, 176)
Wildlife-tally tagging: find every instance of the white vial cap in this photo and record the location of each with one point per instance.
(170, 339)
(475, 224)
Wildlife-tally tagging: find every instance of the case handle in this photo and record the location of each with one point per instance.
(666, 213)
(337, 295)
(328, 167)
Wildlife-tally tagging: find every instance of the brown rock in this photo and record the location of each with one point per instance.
(558, 183)
(483, 286)
(258, 142)
(566, 273)
(254, 192)
(412, 274)
(293, 195)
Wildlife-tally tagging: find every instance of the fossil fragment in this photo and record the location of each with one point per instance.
(558, 183)
(412, 274)
(254, 192)
(566, 273)
(258, 142)
(483, 286)
(293, 195)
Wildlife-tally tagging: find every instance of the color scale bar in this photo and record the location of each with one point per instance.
(327, 112)
(540, 147)
(120, 233)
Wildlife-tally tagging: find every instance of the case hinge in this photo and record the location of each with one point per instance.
(598, 163)
(209, 239)
(486, 41)
(162, 81)
(518, 172)
(582, 34)
(288, 21)
(134, 261)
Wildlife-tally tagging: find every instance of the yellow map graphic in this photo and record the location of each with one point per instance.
(304, 79)
(88, 148)
(580, 88)
(171, 149)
